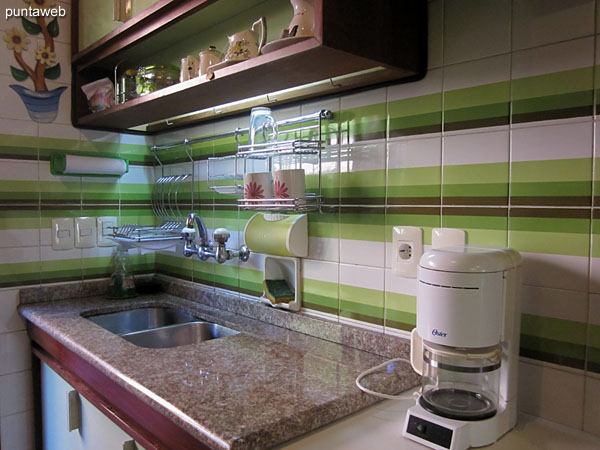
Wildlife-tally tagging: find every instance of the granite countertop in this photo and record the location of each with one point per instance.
(261, 387)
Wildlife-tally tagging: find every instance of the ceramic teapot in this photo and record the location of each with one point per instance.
(208, 58)
(303, 22)
(246, 44)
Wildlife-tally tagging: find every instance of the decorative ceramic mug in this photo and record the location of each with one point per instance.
(189, 68)
(258, 185)
(246, 44)
(208, 58)
(289, 183)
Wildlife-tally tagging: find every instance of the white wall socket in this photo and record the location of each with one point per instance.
(104, 229)
(448, 237)
(63, 234)
(407, 249)
(85, 232)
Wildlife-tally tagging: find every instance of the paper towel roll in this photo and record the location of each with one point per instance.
(87, 165)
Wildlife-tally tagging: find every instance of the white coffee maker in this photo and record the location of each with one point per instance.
(466, 347)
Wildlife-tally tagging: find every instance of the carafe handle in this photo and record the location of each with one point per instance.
(263, 32)
(416, 351)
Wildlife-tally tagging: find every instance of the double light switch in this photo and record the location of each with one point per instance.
(69, 233)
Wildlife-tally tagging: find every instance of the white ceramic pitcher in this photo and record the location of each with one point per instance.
(246, 44)
(303, 22)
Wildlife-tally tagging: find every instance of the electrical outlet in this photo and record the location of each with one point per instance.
(104, 228)
(63, 234)
(407, 248)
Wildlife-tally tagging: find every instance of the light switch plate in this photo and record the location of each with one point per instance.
(407, 249)
(447, 237)
(63, 232)
(85, 232)
(104, 229)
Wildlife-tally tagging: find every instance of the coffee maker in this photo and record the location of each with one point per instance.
(466, 347)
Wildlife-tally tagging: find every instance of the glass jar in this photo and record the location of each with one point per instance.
(153, 78)
(460, 384)
(127, 86)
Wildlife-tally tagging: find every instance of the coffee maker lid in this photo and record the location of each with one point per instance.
(470, 259)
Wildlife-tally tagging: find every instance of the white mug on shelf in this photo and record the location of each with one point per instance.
(189, 68)
(289, 183)
(258, 185)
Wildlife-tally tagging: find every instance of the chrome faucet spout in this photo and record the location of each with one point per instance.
(195, 218)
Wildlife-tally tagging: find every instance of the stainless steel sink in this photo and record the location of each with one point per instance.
(141, 319)
(177, 335)
(160, 327)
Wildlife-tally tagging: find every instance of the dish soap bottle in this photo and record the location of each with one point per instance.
(121, 281)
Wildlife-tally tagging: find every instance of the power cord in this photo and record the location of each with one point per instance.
(379, 394)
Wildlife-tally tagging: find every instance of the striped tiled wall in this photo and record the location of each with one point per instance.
(499, 139)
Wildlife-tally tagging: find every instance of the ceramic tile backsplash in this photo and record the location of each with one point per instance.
(497, 139)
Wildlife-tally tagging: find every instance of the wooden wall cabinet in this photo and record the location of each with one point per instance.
(356, 44)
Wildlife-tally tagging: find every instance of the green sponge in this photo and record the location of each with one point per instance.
(278, 291)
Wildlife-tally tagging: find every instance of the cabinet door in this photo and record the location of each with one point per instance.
(55, 413)
(95, 432)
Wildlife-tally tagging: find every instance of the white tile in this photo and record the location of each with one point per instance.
(59, 131)
(409, 153)
(555, 271)
(591, 414)
(13, 255)
(17, 431)
(365, 253)
(400, 285)
(475, 73)
(553, 58)
(475, 29)
(15, 352)
(21, 238)
(551, 394)
(320, 270)
(138, 175)
(324, 249)
(572, 140)
(356, 158)
(49, 254)
(435, 39)
(136, 139)
(64, 23)
(477, 148)
(554, 303)
(16, 392)
(431, 84)
(539, 22)
(18, 127)
(362, 277)
(371, 97)
(10, 320)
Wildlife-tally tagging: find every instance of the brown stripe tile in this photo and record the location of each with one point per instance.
(595, 213)
(314, 306)
(476, 123)
(549, 357)
(553, 114)
(19, 207)
(551, 200)
(362, 201)
(399, 325)
(437, 128)
(19, 156)
(425, 211)
(474, 211)
(560, 213)
(60, 207)
(491, 201)
(359, 210)
(414, 201)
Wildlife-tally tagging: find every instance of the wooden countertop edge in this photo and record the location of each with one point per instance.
(127, 411)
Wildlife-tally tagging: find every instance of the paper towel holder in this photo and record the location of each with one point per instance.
(89, 166)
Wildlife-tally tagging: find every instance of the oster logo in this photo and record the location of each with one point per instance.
(435, 332)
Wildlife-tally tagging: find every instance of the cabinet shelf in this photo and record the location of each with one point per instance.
(350, 49)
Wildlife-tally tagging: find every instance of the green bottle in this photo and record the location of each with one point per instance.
(121, 281)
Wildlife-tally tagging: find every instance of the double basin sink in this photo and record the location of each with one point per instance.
(160, 327)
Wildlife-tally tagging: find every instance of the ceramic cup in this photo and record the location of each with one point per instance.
(189, 68)
(209, 58)
(258, 185)
(289, 183)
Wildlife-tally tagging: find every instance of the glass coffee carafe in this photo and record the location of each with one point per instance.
(459, 383)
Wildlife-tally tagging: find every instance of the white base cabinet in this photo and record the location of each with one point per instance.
(63, 410)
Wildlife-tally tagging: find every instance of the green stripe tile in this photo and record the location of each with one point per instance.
(320, 295)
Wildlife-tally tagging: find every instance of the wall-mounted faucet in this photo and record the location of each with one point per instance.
(206, 248)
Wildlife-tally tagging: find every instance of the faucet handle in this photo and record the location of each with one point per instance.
(221, 235)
